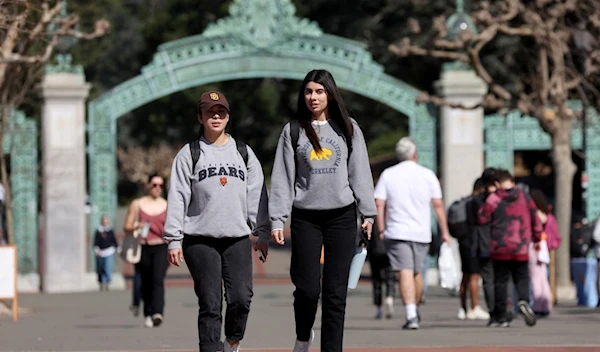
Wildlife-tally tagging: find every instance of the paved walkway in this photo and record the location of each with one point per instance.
(100, 321)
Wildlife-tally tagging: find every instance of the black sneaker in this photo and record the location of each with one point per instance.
(411, 324)
(135, 310)
(493, 323)
(528, 314)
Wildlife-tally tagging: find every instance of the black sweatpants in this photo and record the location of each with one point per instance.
(214, 263)
(503, 270)
(336, 231)
(487, 276)
(153, 268)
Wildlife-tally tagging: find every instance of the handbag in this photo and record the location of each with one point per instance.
(131, 249)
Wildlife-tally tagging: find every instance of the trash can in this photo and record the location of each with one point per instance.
(585, 275)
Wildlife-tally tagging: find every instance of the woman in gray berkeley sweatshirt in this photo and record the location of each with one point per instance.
(321, 175)
(217, 198)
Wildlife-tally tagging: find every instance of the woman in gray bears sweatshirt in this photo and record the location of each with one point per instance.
(321, 175)
(212, 207)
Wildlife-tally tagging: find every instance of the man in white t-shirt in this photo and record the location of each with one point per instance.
(405, 194)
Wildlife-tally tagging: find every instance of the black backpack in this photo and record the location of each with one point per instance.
(582, 238)
(195, 151)
(458, 226)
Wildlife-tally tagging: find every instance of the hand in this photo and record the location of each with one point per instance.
(366, 229)
(446, 237)
(97, 251)
(537, 246)
(175, 256)
(264, 247)
(277, 236)
(382, 234)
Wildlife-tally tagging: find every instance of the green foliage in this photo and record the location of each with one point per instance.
(385, 144)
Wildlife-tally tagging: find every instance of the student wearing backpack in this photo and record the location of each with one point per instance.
(217, 198)
(321, 175)
(469, 263)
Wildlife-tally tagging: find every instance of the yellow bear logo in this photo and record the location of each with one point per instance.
(323, 154)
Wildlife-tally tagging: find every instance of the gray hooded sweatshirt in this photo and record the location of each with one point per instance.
(223, 198)
(320, 181)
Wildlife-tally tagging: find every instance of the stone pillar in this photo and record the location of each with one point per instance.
(461, 134)
(64, 182)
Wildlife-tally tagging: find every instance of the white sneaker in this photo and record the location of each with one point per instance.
(389, 307)
(480, 314)
(228, 348)
(304, 346)
(471, 314)
(462, 315)
(148, 322)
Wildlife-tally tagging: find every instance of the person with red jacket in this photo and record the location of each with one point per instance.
(514, 224)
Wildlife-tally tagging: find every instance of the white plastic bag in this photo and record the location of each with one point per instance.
(448, 272)
(543, 256)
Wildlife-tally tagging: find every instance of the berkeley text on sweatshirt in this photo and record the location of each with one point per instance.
(318, 181)
(223, 198)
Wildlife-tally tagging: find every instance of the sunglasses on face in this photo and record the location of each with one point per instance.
(156, 185)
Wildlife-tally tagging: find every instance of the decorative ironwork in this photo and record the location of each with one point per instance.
(515, 131)
(260, 38)
(22, 145)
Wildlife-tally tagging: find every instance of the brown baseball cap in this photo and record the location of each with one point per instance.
(210, 99)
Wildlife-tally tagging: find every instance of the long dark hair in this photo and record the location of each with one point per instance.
(540, 200)
(336, 107)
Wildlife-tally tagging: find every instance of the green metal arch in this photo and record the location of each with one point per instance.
(260, 38)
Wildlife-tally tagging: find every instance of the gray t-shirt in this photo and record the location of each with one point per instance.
(326, 180)
(223, 198)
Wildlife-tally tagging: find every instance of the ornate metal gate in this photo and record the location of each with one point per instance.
(519, 132)
(260, 38)
(22, 144)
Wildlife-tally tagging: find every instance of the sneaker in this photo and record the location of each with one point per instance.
(470, 314)
(379, 314)
(411, 324)
(478, 313)
(497, 324)
(157, 319)
(148, 322)
(389, 307)
(229, 348)
(528, 313)
(462, 315)
(304, 346)
(135, 310)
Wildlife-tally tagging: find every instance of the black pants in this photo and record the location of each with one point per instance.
(214, 262)
(381, 274)
(503, 270)
(336, 231)
(487, 276)
(152, 268)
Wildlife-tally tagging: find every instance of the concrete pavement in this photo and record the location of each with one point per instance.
(100, 321)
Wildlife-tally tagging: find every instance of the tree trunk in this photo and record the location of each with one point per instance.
(5, 179)
(564, 170)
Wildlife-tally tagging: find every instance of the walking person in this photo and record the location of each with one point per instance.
(217, 198)
(514, 224)
(538, 268)
(471, 270)
(480, 248)
(405, 194)
(148, 214)
(105, 247)
(382, 277)
(321, 175)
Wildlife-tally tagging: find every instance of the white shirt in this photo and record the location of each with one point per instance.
(408, 189)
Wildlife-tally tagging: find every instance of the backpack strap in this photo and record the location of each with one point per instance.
(295, 133)
(195, 151)
(243, 150)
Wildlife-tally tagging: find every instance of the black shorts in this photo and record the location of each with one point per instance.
(470, 264)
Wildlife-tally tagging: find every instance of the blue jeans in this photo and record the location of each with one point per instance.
(104, 268)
